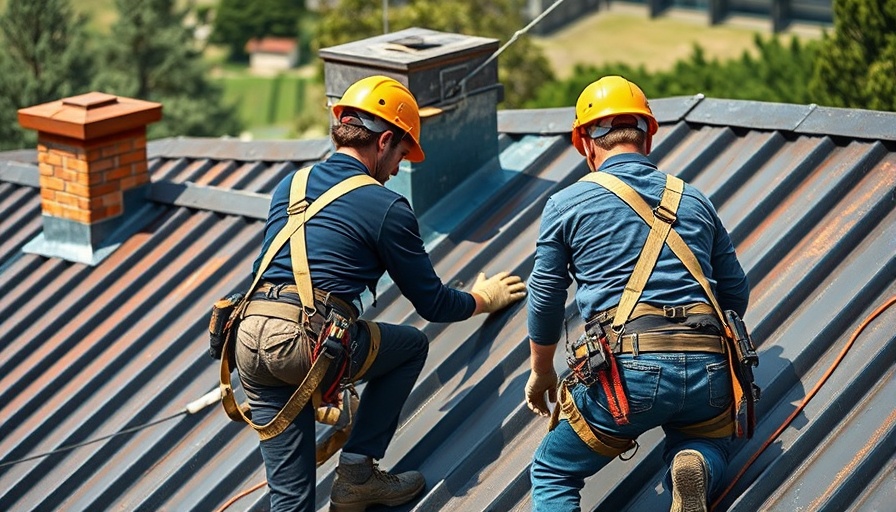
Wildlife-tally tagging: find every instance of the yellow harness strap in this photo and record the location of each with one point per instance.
(375, 338)
(684, 253)
(286, 415)
(299, 212)
(718, 427)
(599, 442)
(663, 217)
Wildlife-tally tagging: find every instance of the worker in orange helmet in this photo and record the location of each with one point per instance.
(653, 351)
(349, 245)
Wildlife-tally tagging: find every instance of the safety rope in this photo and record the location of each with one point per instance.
(827, 374)
(193, 407)
(516, 35)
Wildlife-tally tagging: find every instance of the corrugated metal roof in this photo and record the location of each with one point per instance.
(808, 193)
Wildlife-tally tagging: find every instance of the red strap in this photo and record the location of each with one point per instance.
(616, 398)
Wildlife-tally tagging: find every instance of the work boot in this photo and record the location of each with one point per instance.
(689, 482)
(362, 484)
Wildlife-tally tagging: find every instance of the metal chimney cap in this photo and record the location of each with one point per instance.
(409, 49)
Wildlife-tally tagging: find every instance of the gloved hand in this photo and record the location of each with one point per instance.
(498, 291)
(536, 386)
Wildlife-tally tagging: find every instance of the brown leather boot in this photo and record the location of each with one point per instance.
(359, 485)
(689, 482)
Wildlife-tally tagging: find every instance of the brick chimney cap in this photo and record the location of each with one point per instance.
(90, 116)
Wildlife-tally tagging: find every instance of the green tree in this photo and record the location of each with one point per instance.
(522, 67)
(44, 57)
(151, 55)
(857, 63)
(238, 21)
(779, 73)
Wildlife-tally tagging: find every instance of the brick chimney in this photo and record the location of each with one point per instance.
(459, 124)
(93, 171)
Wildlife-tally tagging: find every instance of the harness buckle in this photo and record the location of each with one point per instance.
(297, 208)
(675, 311)
(664, 214)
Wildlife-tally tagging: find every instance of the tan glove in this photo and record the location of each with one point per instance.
(498, 291)
(535, 388)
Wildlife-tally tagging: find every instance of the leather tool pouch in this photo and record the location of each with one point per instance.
(586, 356)
(747, 358)
(334, 342)
(224, 323)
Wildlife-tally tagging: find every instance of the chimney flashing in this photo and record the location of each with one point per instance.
(93, 172)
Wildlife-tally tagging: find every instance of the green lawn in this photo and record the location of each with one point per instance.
(265, 100)
(625, 33)
(287, 104)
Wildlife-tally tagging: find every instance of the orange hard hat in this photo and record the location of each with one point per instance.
(610, 96)
(387, 99)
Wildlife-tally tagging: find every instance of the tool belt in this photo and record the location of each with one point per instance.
(282, 301)
(592, 357)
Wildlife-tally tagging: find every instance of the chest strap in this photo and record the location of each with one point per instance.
(644, 309)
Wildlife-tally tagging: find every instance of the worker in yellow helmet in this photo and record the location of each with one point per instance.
(653, 351)
(349, 244)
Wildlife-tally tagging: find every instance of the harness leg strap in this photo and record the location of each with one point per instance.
(375, 339)
(599, 442)
(717, 427)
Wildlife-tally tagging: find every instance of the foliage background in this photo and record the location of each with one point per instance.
(51, 49)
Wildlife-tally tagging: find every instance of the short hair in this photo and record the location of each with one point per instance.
(358, 137)
(623, 135)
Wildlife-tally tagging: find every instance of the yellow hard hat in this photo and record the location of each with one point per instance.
(609, 96)
(387, 99)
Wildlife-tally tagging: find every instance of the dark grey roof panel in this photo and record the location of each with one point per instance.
(546, 121)
(553, 121)
(86, 352)
(233, 149)
(755, 115)
(849, 123)
(203, 197)
(671, 110)
(19, 174)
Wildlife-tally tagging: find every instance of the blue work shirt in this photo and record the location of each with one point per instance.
(358, 237)
(590, 235)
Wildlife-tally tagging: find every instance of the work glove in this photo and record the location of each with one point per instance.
(498, 291)
(535, 388)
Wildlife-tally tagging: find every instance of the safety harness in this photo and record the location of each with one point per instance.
(299, 211)
(661, 233)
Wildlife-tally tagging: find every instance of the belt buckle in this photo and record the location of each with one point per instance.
(675, 311)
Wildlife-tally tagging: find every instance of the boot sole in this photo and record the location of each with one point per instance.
(361, 506)
(688, 482)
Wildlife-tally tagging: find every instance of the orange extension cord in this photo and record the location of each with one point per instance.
(809, 396)
(241, 495)
(766, 444)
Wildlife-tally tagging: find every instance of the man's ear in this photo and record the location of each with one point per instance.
(384, 139)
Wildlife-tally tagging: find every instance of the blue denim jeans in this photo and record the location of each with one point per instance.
(289, 458)
(664, 389)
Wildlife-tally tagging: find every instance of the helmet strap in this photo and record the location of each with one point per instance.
(586, 145)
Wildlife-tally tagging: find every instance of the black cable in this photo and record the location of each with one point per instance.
(85, 443)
